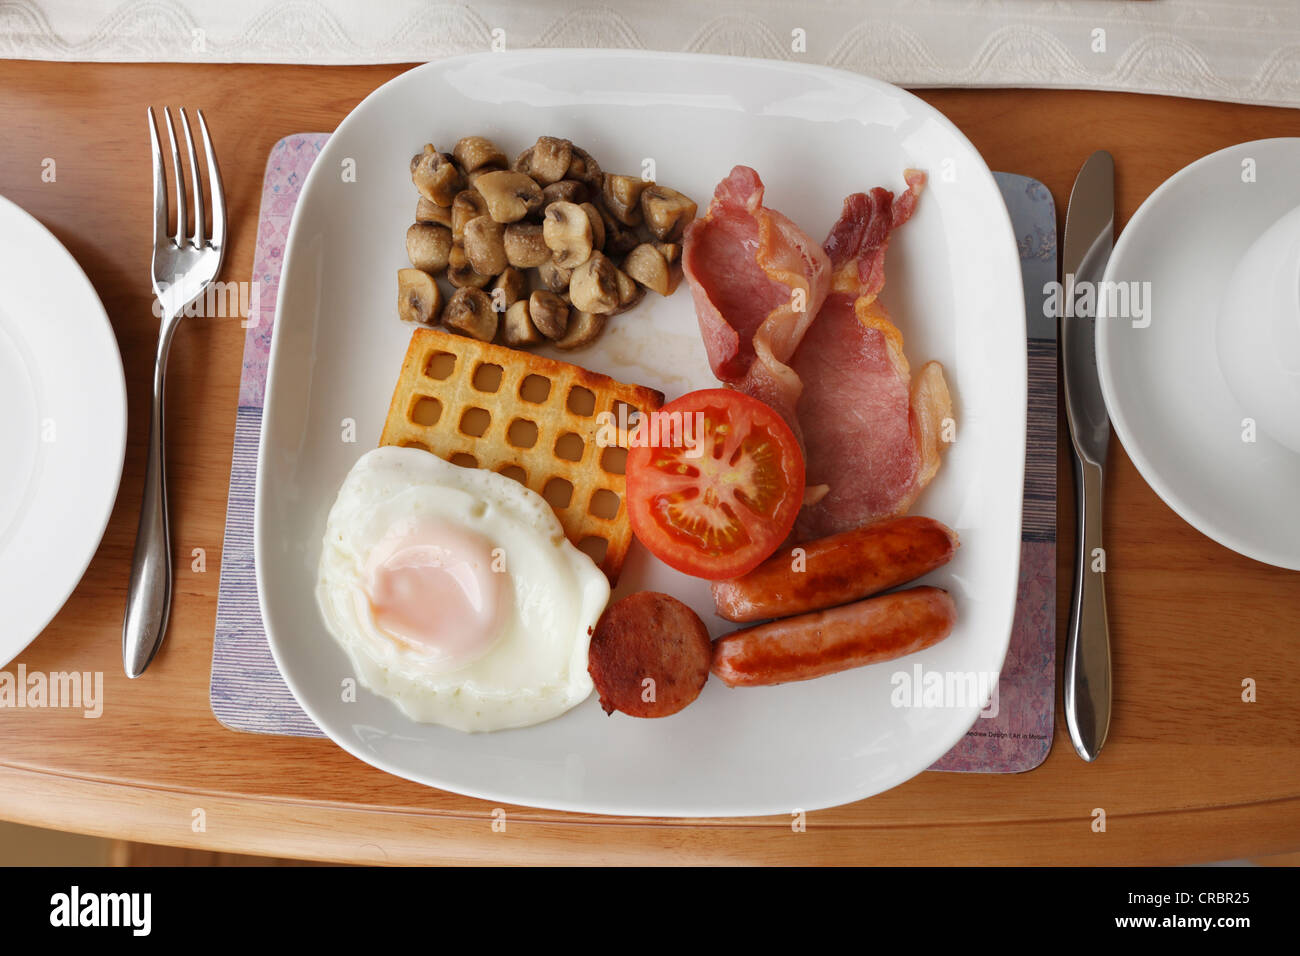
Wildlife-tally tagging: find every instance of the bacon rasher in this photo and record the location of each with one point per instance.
(758, 280)
(834, 369)
(871, 433)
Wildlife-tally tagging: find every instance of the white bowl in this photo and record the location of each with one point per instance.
(1167, 397)
(1258, 331)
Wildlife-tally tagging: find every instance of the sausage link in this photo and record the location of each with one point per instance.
(844, 567)
(824, 642)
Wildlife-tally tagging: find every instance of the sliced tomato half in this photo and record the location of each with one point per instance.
(715, 481)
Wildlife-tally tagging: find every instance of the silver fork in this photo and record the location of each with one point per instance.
(183, 268)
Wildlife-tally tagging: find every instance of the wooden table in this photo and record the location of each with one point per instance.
(1191, 772)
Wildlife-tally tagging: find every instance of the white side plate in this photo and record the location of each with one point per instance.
(815, 135)
(62, 430)
(1167, 398)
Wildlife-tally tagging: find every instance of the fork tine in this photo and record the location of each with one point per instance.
(215, 188)
(159, 183)
(181, 210)
(199, 225)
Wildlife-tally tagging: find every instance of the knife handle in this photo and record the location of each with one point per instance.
(1087, 647)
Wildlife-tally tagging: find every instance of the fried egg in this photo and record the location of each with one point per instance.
(456, 594)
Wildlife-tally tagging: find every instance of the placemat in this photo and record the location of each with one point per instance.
(248, 694)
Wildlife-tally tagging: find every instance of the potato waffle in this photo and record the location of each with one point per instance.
(527, 417)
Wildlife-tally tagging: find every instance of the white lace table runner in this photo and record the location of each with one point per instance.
(1246, 51)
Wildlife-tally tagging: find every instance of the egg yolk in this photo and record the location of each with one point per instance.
(435, 587)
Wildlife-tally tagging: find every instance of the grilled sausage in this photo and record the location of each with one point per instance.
(844, 567)
(649, 655)
(824, 642)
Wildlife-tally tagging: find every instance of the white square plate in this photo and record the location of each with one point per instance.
(814, 135)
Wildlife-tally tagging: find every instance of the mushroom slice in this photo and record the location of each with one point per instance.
(619, 239)
(547, 160)
(671, 251)
(428, 246)
(509, 195)
(594, 285)
(526, 246)
(472, 178)
(629, 293)
(667, 212)
(597, 225)
(485, 246)
(567, 232)
(459, 270)
(426, 210)
(647, 265)
(549, 313)
(477, 152)
(470, 311)
(517, 327)
(418, 297)
(584, 328)
(585, 170)
(510, 287)
(468, 205)
(435, 176)
(568, 190)
(553, 277)
(622, 196)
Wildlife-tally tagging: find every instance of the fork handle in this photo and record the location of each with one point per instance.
(149, 595)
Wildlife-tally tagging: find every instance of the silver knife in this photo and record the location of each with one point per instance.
(1089, 236)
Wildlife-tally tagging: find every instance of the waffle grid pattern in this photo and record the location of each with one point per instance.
(527, 417)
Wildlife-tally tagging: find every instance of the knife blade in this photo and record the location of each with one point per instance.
(1089, 238)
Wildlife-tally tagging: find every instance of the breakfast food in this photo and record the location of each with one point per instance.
(650, 655)
(836, 570)
(835, 371)
(715, 480)
(825, 642)
(871, 432)
(462, 562)
(552, 220)
(455, 593)
(758, 281)
(529, 418)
